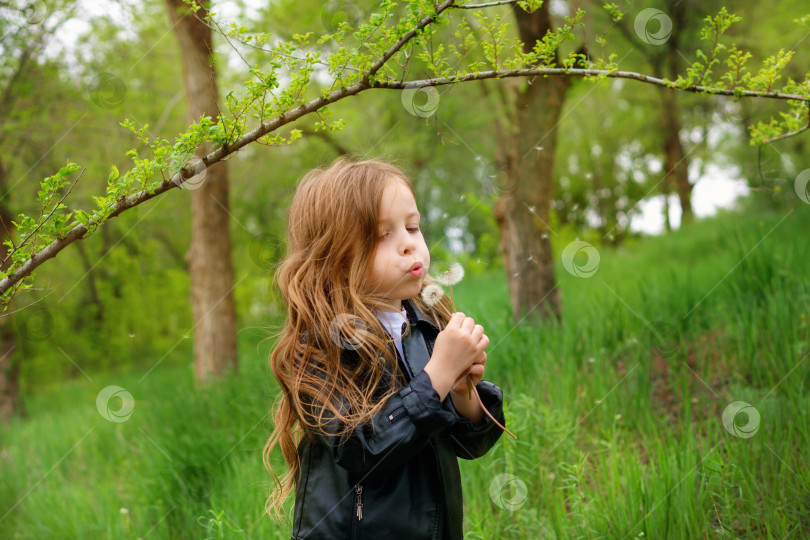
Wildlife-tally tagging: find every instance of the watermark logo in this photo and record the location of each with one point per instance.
(29, 13)
(348, 331)
(35, 324)
(422, 109)
(801, 185)
(643, 21)
(21, 14)
(189, 166)
(662, 336)
(333, 14)
(264, 250)
(576, 268)
(508, 491)
(735, 414)
(732, 110)
(105, 397)
(108, 90)
(493, 179)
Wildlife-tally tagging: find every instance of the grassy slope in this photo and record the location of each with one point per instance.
(617, 412)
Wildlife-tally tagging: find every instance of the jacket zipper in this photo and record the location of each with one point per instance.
(396, 414)
(358, 514)
(358, 488)
(441, 510)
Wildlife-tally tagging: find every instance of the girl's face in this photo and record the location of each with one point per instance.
(399, 245)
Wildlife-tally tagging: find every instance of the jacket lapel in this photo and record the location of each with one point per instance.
(415, 316)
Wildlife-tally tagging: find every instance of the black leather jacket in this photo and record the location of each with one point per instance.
(404, 482)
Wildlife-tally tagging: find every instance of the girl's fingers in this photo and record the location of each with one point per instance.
(476, 369)
(483, 343)
(456, 319)
(477, 372)
(468, 323)
(480, 360)
(461, 378)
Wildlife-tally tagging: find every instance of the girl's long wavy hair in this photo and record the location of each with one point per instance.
(332, 231)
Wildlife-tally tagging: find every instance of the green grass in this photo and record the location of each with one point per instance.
(617, 412)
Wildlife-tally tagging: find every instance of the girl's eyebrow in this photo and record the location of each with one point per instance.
(411, 214)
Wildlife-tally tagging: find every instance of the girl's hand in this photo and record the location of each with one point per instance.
(456, 351)
(477, 372)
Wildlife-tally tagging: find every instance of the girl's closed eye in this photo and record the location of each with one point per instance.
(411, 229)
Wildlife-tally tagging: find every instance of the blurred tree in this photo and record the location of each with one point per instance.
(528, 146)
(211, 267)
(608, 161)
(25, 30)
(670, 35)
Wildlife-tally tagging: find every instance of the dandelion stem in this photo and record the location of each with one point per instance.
(481, 403)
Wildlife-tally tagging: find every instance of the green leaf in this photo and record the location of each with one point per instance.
(113, 174)
(100, 201)
(82, 217)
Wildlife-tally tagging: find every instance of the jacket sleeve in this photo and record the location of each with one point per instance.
(402, 428)
(473, 441)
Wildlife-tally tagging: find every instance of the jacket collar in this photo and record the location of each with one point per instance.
(415, 316)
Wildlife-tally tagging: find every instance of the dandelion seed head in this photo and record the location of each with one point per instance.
(432, 293)
(451, 276)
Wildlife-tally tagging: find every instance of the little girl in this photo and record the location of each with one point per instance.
(366, 366)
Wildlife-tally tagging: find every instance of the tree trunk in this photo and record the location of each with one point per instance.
(676, 163)
(524, 205)
(10, 404)
(210, 264)
(676, 168)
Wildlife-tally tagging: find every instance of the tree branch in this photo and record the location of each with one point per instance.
(409, 35)
(579, 72)
(486, 5)
(267, 126)
(791, 133)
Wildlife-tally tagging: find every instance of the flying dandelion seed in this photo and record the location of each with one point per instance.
(432, 293)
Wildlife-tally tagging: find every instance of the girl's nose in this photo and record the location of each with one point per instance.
(408, 245)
